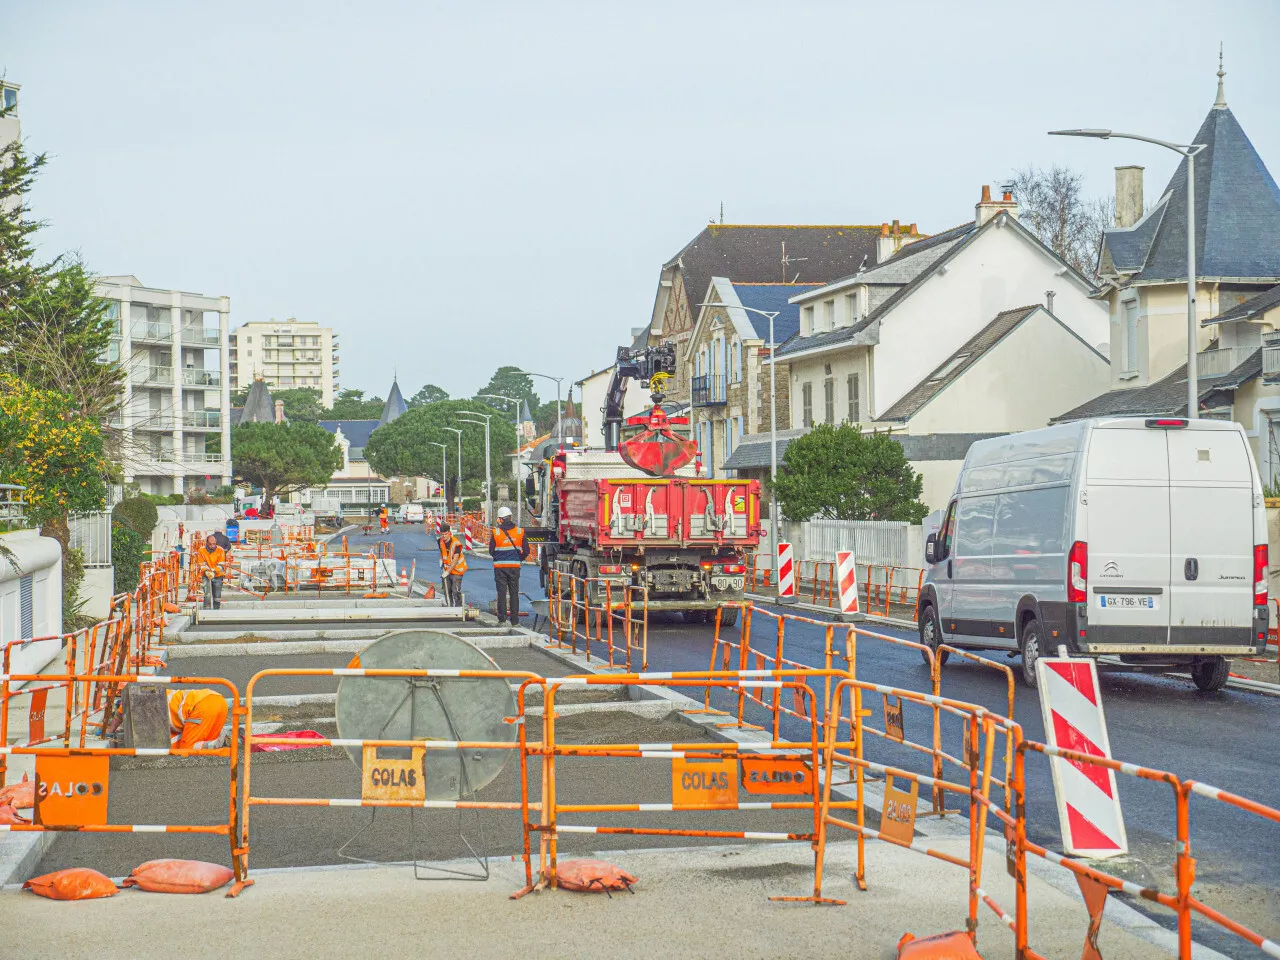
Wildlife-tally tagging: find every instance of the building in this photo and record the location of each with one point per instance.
(295, 353)
(726, 354)
(175, 414)
(757, 254)
(10, 123)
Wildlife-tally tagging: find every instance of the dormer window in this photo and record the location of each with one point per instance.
(806, 322)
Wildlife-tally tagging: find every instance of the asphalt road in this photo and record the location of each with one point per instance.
(1227, 739)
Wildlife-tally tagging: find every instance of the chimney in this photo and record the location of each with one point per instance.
(1128, 196)
(279, 411)
(886, 244)
(987, 209)
(1048, 300)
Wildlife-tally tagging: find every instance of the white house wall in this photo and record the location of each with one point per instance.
(593, 390)
(999, 270)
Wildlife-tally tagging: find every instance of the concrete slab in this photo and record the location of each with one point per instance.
(280, 613)
(710, 901)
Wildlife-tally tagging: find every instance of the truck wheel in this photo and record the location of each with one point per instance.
(694, 616)
(728, 616)
(1030, 652)
(1210, 673)
(931, 636)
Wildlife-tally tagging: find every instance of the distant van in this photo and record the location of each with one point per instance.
(1142, 539)
(412, 513)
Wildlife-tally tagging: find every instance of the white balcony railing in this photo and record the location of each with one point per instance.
(1219, 362)
(202, 419)
(201, 378)
(201, 335)
(154, 377)
(143, 330)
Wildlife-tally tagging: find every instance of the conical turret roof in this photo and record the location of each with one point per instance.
(258, 405)
(395, 405)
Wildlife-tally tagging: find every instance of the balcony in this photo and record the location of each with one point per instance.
(170, 456)
(201, 335)
(151, 332)
(162, 420)
(1220, 362)
(153, 377)
(192, 377)
(1271, 360)
(708, 391)
(202, 419)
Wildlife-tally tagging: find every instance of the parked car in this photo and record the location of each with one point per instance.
(1143, 539)
(411, 513)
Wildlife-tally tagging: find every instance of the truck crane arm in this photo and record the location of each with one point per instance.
(650, 365)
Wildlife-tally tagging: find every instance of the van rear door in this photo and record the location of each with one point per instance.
(1127, 503)
(1211, 536)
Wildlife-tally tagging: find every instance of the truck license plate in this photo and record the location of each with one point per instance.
(1130, 601)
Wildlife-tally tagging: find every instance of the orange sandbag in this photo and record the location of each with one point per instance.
(9, 814)
(179, 876)
(592, 876)
(21, 795)
(77, 883)
(944, 946)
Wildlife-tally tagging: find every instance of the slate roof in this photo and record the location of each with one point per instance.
(1237, 214)
(955, 365)
(910, 261)
(1263, 302)
(771, 297)
(258, 405)
(395, 405)
(1166, 397)
(357, 433)
(752, 453)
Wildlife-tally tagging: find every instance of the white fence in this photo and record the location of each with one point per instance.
(887, 542)
(91, 534)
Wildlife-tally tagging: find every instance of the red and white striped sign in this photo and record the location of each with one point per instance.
(786, 571)
(847, 578)
(466, 538)
(1088, 802)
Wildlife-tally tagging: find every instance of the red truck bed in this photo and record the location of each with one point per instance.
(666, 512)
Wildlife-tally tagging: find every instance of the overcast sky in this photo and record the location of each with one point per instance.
(457, 186)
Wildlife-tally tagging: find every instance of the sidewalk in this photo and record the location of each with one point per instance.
(698, 903)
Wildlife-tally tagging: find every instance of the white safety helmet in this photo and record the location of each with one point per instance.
(504, 513)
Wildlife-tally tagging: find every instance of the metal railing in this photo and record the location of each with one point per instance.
(708, 390)
(872, 541)
(202, 419)
(145, 330)
(159, 376)
(192, 377)
(201, 335)
(91, 534)
(13, 508)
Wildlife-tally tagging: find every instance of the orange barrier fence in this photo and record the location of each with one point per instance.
(884, 590)
(599, 610)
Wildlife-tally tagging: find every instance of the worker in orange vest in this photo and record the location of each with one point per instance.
(382, 518)
(453, 561)
(196, 718)
(509, 549)
(211, 566)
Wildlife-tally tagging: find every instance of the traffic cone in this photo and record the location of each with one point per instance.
(404, 577)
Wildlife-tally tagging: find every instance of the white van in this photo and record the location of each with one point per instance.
(1143, 539)
(412, 513)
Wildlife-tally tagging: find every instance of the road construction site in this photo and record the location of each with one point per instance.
(330, 858)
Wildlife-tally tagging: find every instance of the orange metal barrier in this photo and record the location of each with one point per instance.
(598, 610)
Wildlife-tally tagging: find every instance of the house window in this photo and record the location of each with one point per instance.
(854, 406)
(726, 447)
(806, 395)
(829, 400)
(851, 308)
(737, 360)
(828, 314)
(806, 322)
(1131, 338)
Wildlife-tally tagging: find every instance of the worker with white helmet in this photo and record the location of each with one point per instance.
(509, 549)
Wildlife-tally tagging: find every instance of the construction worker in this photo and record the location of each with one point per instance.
(509, 549)
(211, 567)
(196, 718)
(453, 561)
(382, 518)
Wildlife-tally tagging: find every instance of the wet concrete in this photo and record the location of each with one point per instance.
(197, 792)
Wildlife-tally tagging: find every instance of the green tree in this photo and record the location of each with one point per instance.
(509, 382)
(283, 458)
(128, 550)
(403, 447)
(138, 512)
(352, 404)
(429, 393)
(238, 397)
(840, 473)
(545, 416)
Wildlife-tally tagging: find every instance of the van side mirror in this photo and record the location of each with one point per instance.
(931, 548)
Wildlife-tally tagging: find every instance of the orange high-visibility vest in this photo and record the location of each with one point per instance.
(455, 559)
(196, 716)
(508, 547)
(212, 561)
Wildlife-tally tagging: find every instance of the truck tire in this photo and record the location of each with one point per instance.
(931, 635)
(728, 616)
(694, 616)
(1210, 673)
(1030, 644)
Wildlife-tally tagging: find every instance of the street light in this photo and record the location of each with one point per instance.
(1188, 150)
(444, 462)
(559, 412)
(774, 519)
(458, 470)
(488, 474)
(516, 403)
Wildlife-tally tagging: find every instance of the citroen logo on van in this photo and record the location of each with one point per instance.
(1111, 569)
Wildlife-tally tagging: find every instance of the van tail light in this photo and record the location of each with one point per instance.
(1167, 423)
(1078, 572)
(610, 568)
(1260, 567)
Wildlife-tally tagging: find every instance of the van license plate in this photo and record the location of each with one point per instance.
(1130, 601)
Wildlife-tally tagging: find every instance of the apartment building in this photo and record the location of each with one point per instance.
(10, 125)
(295, 353)
(175, 416)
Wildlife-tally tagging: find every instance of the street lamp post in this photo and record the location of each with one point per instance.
(559, 412)
(488, 474)
(774, 519)
(444, 463)
(458, 469)
(516, 405)
(1188, 150)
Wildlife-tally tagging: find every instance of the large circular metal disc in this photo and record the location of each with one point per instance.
(432, 708)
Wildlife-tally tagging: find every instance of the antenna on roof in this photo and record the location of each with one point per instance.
(722, 212)
(787, 261)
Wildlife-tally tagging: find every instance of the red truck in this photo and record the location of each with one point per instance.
(686, 539)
